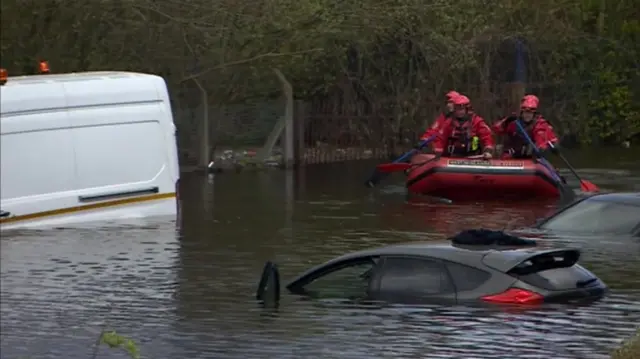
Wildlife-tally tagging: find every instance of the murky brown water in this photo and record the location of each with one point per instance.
(188, 293)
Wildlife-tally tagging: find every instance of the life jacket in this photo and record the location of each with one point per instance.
(461, 141)
(517, 145)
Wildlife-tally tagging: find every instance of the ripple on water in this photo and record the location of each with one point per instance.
(59, 286)
(190, 297)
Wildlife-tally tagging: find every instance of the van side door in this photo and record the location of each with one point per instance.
(119, 141)
(37, 164)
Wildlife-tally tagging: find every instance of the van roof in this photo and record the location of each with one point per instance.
(72, 76)
(33, 93)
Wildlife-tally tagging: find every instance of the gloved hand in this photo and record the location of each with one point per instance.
(487, 155)
(508, 121)
(553, 148)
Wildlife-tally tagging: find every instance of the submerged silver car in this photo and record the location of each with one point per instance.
(426, 272)
(606, 213)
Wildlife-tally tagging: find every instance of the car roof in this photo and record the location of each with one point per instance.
(501, 258)
(443, 250)
(440, 249)
(629, 198)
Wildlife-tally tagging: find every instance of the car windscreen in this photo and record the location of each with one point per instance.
(561, 278)
(592, 216)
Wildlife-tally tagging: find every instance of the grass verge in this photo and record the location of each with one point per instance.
(630, 349)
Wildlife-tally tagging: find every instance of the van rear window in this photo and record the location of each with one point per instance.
(561, 278)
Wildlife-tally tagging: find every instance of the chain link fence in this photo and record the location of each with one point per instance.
(353, 129)
(235, 131)
(384, 128)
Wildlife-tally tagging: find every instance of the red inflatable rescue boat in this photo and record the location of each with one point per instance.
(478, 179)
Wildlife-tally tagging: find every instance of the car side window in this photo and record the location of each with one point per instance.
(349, 281)
(466, 278)
(637, 230)
(414, 277)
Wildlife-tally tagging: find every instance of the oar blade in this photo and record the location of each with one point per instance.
(384, 169)
(393, 167)
(379, 173)
(374, 179)
(587, 186)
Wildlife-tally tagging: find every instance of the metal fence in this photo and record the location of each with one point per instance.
(360, 129)
(236, 128)
(330, 130)
(382, 128)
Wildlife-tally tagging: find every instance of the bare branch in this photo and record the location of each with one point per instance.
(245, 61)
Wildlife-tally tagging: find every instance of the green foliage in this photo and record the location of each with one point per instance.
(115, 340)
(630, 349)
(401, 55)
(613, 108)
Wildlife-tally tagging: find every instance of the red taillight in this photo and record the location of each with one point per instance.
(515, 296)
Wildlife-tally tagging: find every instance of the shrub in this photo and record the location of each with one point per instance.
(630, 349)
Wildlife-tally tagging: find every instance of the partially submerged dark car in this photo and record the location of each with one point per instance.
(606, 213)
(416, 273)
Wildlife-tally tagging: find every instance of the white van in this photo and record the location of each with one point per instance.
(80, 147)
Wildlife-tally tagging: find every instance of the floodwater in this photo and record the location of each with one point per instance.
(186, 291)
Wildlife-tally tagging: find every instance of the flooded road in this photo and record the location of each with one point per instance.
(186, 291)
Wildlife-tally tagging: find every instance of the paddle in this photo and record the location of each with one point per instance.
(377, 175)
(399, 167)
(585, 186)
(393, 167)
(543, 161)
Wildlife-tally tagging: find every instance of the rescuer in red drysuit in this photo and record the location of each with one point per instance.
(540, 131)
(464, 134)
(442, 117)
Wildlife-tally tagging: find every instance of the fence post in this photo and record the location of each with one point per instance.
(205, 149)
(287, 144)
(300, 120)
(516, 92)
(518, 87)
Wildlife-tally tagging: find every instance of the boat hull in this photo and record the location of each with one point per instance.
(465, 178)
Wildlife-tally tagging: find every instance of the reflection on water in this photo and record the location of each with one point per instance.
(188, 293)
(59, 287)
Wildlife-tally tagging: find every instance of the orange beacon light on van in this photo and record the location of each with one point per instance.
(3, 76)
(44, 67)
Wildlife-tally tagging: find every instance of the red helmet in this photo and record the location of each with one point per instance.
(461, 100)
(529, 102)
(451, 95)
